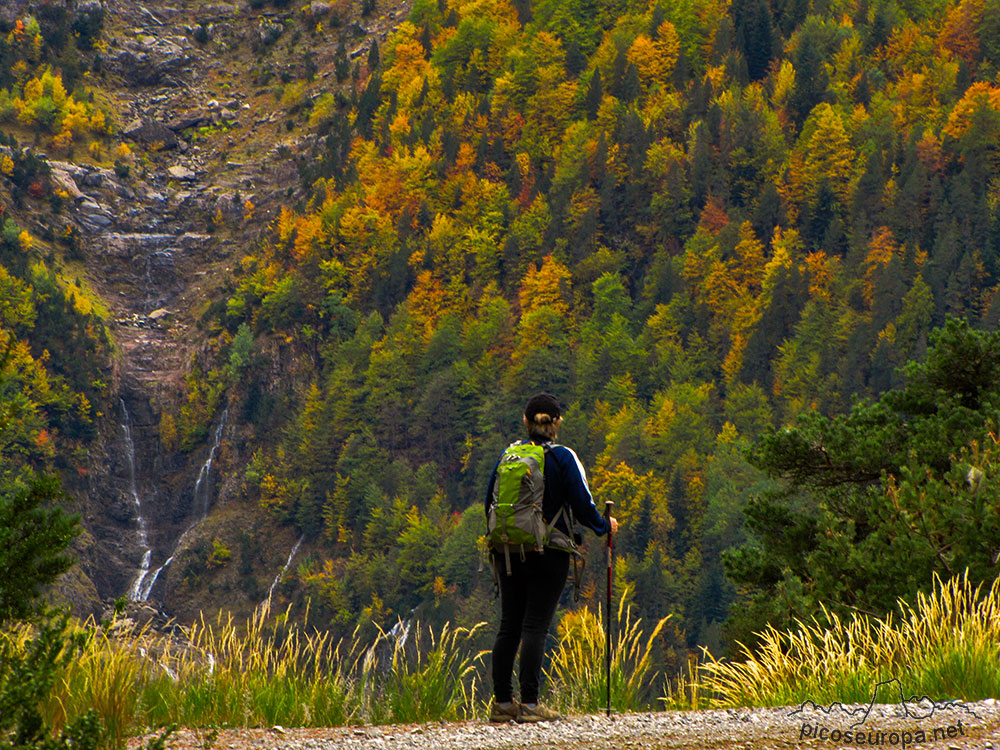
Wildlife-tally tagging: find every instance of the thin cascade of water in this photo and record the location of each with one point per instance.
(401, 631)
(147, 589)
(135, 592)
(379, 656)
(202, 487)
(281, 573)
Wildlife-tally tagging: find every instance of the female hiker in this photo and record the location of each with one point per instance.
(531, 581)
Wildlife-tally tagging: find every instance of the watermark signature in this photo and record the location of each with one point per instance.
(918, 709)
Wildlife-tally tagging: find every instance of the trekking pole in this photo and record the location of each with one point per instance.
(607, 629)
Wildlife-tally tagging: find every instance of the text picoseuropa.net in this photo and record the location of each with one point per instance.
(880, 738)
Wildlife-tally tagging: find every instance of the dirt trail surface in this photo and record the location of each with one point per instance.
(973, 725)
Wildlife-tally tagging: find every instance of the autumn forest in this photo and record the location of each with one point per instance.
(752, 246)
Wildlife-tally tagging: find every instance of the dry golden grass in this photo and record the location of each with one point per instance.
(576, 677)
(269, 671)
(263, 672)
(945, 646)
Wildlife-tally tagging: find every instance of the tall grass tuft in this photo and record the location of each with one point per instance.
(576, 678)
(259, 673)
(103, 677)
(433, 682)
(265, 672)
(946, 646)
(684, 692)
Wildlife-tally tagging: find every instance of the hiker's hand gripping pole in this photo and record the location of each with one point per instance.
(607, 629)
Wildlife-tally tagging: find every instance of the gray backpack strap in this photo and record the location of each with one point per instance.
(579, 561)
(552, 524)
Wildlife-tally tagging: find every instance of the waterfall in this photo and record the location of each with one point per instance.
(401, 631)
(203, 487)
(135, 593)
(148, 588)
(281, 573)
(379, 656)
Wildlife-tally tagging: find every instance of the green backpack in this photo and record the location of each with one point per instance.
(515, 520)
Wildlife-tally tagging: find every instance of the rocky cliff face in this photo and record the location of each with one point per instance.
(159, 238)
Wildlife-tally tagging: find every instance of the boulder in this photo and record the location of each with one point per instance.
(100, 178)
(177, 172)
(269, 32)
(231, 204)
(66, 182)
(64, 166)
(93, 179)
(187, 121)
(74, 170)
(157, 314)
(93, 216)
(152, 198)
(146, 130)
(151, 61)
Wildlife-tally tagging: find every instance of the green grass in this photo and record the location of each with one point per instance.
(266, 672)
(269, 671)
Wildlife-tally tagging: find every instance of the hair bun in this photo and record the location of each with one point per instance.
(542, 404)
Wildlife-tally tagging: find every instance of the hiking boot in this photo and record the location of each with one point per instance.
(500, 714)
(538, 712)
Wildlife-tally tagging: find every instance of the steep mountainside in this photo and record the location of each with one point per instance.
(322, 275)
(206, 157)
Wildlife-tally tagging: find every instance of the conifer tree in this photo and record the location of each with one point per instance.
(595, 94)
(859, 482)
(811, 79)
(754, 35)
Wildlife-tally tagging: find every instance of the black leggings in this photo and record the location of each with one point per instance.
(528, 600)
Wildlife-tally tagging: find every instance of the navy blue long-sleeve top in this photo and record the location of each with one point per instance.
(565, 484)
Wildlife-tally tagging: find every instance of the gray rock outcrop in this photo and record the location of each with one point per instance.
(93, 216)
(65, 181)
(148, 131)
(152, 61)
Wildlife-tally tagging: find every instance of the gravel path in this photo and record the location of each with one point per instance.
(975, 725)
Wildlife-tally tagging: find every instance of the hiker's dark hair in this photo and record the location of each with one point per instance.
(543, 424)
